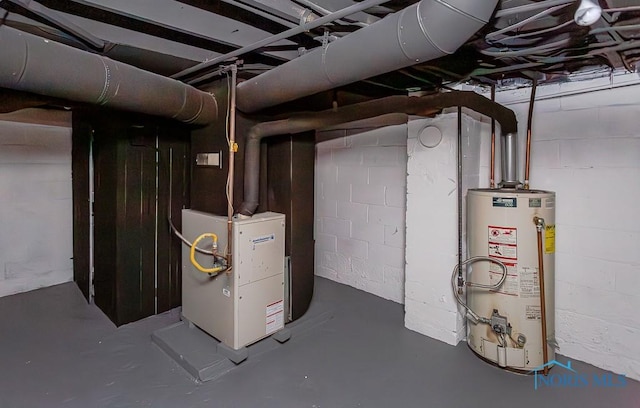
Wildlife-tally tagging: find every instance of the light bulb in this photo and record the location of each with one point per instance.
(587, 13)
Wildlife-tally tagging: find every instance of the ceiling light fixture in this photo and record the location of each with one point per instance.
(587, 13)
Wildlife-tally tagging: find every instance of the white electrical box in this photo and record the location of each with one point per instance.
(247, 304)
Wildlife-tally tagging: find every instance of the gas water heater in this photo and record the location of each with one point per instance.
(509, 233)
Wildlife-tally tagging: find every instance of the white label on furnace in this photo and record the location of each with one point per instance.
(275, 317)
(263, 239)
(511, 283)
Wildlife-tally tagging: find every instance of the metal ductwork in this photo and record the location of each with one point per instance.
(302, 122)
(34, 64)
(421, 32)
(509, 149)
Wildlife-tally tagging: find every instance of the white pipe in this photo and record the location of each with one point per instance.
(34, 64)
(419, 33)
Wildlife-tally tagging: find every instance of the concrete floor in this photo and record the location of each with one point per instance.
(57, 351)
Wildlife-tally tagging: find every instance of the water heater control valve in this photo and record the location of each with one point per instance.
(499, 324)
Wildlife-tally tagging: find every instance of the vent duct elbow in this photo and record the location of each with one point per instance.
(421, 32)
(302, 122)
(37, 65)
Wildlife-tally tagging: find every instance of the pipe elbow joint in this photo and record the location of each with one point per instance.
(248, 208)
(253, 135)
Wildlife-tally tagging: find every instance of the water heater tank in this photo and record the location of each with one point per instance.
(500, 225)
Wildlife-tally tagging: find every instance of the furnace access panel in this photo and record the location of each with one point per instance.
(247, 304)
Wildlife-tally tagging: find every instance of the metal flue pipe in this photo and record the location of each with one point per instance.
(34, 64)
(509, 148)
(303, 122)
(421, 32)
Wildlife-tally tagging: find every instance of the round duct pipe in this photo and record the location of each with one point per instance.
(34, 64)
(419, 33)
(303, 122)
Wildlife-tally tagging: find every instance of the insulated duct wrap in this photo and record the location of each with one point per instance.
(45, 67)
(302, 122)
(421, 32)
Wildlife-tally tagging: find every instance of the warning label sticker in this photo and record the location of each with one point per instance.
(275, 317)
(503, 251)
(549, 239)
(529, 285)
(503, 242)
(511, 284)
(503, 235)
(532, 312)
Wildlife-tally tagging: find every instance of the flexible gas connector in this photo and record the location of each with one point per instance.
(192, 253)
(470, 314)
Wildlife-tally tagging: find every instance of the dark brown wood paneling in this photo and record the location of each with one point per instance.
(136, 224)
(105, 223)
(302, 210)
(173, 196)
(290, 190)
(141, 170)
(208, 183)
(81, 144)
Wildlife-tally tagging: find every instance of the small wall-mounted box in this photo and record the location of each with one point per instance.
(209, 159)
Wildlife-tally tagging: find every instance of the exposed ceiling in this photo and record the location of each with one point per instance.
(525, 39)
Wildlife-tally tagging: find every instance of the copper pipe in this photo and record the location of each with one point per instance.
(539, 222)
(529, 120)
(459, 188)
(492, 178)
(233, 147)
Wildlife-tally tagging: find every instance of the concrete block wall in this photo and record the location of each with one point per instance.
(360, 209)
(586, 148)
(432, 219)
(35, 206)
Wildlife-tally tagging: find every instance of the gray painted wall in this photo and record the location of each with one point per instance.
(35, 205)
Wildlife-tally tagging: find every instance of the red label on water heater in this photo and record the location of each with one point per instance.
(503, 242)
